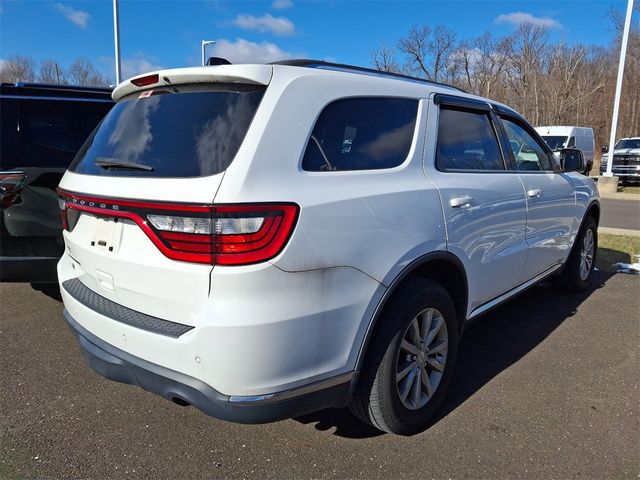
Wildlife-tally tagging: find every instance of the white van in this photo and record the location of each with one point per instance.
(560, 137)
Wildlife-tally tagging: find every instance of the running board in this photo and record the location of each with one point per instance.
(507, 295)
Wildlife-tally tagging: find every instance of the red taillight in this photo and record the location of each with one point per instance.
(146, 80)
(214, 234)
(11, 184)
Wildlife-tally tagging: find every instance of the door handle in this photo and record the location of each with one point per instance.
(461, 202)
(534, 192)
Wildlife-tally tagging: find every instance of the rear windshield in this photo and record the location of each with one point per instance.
(185, 131)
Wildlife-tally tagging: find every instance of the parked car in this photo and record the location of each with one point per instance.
(626, 160)
(263, 241)
(559, 137)
(42, 128)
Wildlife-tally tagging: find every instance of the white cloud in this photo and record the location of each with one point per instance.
(518, 18)
(137, 65)
(267, 23)
(281, 4)
(243, 51)
(130, 66)
(77, 17)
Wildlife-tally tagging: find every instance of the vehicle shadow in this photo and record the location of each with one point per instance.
(51, 290)
(490, 345)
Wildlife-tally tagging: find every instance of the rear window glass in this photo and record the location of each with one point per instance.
(186, 131)
(361, 134)
(466, 141)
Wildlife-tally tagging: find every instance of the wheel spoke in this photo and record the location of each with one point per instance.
(426, 381)
(435, 364)
(434, 331)
(409, 347)
(415, 332)
(403, 373)
(407, 383)
(427, 318)
(439, 347)
(417, 389)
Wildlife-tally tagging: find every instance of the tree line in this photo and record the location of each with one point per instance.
(549, 83)
(20, 68)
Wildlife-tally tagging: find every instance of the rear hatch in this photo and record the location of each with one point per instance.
(137, 199)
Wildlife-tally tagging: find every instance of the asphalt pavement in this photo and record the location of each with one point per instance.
(620, 213)
(546, 386)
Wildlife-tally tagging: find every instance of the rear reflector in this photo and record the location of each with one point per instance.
(214, 234)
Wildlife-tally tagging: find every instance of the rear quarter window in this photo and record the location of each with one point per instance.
(365, 133)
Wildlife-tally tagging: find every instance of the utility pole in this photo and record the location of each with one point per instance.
(616, 102)
(116, 37)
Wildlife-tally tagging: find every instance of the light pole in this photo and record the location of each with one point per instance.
(204, 44)
(616, 102)
(116, 37)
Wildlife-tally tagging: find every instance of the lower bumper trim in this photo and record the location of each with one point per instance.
(117, 365)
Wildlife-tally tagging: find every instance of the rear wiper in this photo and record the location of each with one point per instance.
(114, 163)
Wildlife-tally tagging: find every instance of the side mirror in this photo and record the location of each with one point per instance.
(605, 148)
(571, 160)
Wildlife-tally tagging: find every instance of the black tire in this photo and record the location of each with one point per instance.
(376, 399)
(570, 279)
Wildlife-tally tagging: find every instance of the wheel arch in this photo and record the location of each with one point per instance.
(442, 267)
(592, 210)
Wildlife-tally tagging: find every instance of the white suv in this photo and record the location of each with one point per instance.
(263, 241)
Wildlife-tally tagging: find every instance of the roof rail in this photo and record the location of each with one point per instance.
(363, 70)
(79, 88)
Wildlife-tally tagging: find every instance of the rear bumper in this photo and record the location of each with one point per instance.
(115, 364)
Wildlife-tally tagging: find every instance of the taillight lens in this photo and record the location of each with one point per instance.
(216, 234)
(11, 184)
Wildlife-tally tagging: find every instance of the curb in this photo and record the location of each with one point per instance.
(619, 231)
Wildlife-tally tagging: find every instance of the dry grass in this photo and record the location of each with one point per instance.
(616, 248)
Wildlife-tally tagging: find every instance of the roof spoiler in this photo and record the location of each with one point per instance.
(251, 74)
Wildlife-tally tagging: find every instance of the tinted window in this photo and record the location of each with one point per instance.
(572, 142)
(467, 141)
(528, 153)
(555, 142)
(628, 143)
(60, 125)
(361, 134)
(186, 132)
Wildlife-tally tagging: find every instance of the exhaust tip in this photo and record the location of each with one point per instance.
(180, 401)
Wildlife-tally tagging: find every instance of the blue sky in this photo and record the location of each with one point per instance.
(167, 33)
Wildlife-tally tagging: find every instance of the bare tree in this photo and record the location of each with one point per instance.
(440, 47)
(82, 72)
(52, 72)
(548, 83)
(415, 46)
(18, 69)
(384, 59)
(525, 63)
(428, 52)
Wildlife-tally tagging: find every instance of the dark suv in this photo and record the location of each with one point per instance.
(42, 128)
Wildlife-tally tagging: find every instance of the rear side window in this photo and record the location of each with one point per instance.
(187, 131)
(361, 134)
(467, 141)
